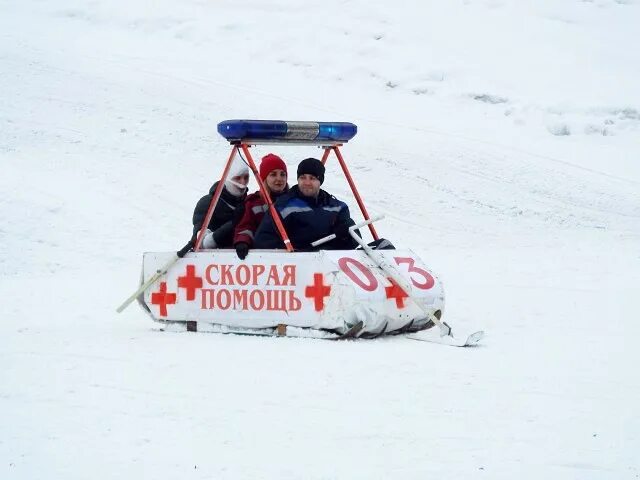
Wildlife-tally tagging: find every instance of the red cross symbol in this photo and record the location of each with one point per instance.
(163, 299)
(317, 291)
(190, 282)
(394, 291)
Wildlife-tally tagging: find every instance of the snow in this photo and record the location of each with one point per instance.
(499, 138)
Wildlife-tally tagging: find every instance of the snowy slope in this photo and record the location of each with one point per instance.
(500, 138)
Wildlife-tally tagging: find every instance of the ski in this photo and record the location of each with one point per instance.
(433, 336)
(430, 335)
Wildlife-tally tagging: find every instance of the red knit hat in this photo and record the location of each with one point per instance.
(269, 163)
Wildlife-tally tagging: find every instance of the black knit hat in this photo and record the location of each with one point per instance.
(312, 166)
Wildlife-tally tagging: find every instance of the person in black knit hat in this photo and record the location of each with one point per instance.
(313, 167)
(308, 213)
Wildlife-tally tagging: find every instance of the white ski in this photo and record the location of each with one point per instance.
(433, 335)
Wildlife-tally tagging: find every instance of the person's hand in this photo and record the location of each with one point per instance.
(242, 249)
(341, 230)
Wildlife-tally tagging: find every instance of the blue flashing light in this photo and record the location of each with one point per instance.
(340, 131)
(238, 129)
(287, 132)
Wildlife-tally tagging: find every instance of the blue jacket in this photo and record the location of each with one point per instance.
(306, 220)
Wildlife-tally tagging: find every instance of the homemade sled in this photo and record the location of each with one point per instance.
(325, 294)
(328, 290)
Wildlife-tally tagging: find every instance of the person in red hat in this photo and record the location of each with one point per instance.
(273, 172)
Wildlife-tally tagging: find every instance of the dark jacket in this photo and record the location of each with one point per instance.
(254, 209)
(306, 220)
(227, 213)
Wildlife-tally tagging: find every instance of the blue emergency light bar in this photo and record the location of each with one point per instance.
(278, 131)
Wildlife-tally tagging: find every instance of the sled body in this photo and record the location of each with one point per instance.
(327, 290)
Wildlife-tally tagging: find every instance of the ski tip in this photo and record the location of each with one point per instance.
(474, 338)
(463, 341)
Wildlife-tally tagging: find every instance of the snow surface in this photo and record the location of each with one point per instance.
(500, 138)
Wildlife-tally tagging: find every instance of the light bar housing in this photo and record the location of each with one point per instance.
(283, 132)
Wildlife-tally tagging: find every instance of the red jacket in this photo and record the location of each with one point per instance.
(254, 209)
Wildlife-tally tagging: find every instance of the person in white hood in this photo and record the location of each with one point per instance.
(228, 211)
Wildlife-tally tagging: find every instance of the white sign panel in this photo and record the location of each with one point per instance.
(321, 290)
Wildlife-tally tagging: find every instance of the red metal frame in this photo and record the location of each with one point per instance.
(345, 170)
(265, 193)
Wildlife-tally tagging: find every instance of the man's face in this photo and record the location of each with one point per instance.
(309, 185)
(276, 180)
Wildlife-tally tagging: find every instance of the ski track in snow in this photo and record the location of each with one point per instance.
(498, 137)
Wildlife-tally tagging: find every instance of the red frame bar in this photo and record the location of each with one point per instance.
(345, 170)
(265, 193)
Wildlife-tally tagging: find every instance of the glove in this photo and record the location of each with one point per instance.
(341, 231)
(208, 241)
(242, 249)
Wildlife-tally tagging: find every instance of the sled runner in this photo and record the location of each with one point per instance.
(325, 294)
